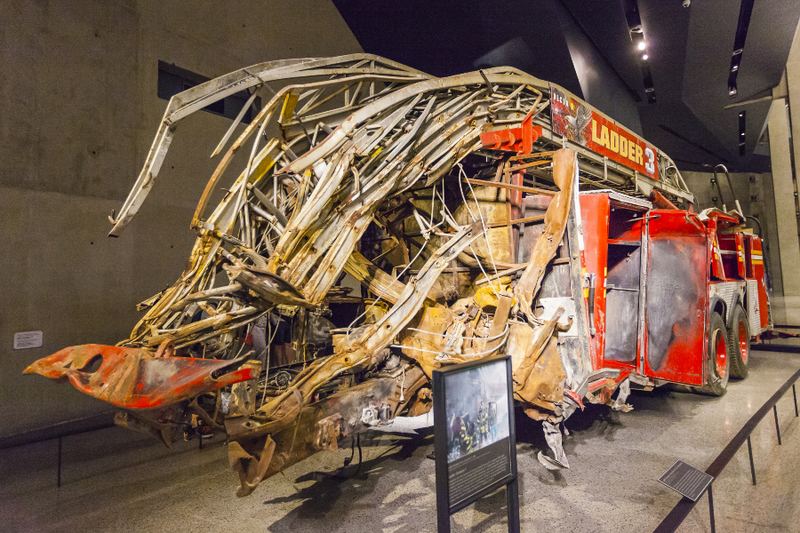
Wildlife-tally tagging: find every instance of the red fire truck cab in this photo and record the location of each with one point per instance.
(672, 295)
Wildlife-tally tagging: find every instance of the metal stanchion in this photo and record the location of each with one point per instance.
(711, 509)
(682, 509)
(794, 391)
(58, 482)
(777, 426)
(750, 453)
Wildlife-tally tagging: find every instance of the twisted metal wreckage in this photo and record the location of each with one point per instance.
(452, 201)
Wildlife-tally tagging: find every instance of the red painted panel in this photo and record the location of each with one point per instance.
(732, 253)
(133, 378)
(594, 217)
(676, 297)
(757, 259)
(740, 259)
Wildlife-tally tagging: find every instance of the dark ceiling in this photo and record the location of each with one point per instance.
(585, 47)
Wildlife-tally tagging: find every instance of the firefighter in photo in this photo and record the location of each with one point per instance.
(483, 424)
(492, 416)
(466, 435)
(455, 430)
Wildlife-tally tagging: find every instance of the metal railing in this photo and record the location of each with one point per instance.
(682, 509)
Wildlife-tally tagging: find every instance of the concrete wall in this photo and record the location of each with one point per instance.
(785, 116)
(772, 197)
(786, 307)
(80, 110)
(601, 86)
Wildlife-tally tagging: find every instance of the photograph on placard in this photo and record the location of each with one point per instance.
(477, 409)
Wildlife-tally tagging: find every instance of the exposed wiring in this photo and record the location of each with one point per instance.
(269, 353)
(483, 226)
(440, 353)
(383, 292)
(484, 272)
(495, 337)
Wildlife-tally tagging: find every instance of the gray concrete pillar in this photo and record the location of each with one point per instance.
(790, 217)
(786, 309)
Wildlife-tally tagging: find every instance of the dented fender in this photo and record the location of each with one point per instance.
(134, 378)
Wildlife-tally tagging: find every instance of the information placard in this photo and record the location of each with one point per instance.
(686, 480)
(27, 339)
(474, 437)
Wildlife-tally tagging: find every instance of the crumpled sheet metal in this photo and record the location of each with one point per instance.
(289, 225)
(367, 347)
(133, 378)
(433, 124)
(555, 222)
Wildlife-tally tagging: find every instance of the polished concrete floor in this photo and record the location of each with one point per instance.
(116, 480)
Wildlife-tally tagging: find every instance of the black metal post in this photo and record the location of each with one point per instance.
(794, 391)
(442, 519)
(512, 500)
(777, 426)
(750, 453)
(711, 509)
(59, 463)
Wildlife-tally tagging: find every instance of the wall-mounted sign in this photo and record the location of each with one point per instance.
(579, 123)
(474, 437)
(27, 339)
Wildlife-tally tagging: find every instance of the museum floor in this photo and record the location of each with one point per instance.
(117, 480)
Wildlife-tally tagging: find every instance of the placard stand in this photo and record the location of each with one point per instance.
(475, 439)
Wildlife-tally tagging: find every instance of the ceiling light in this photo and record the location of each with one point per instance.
(641, 45)
(645, 57)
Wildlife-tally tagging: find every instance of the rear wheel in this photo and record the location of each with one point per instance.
(717, 360)
(739, 343)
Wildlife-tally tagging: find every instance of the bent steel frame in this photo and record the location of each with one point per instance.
(451, 201)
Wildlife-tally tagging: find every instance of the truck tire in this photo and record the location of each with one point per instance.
(717, 360)
(739, 343)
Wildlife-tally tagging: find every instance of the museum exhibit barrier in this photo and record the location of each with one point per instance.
(59, 432)
(682, 509)
(69, 428)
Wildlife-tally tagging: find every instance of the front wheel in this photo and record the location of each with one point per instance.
(739, 343)
(717, 360)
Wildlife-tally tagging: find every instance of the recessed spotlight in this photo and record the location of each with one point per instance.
(641, 45)
(645, 57)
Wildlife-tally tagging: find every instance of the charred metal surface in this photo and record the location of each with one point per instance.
(450, 201)
(622, 303)
(676, 297)
(135, 379)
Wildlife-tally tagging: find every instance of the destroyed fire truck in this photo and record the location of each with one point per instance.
(386, 223)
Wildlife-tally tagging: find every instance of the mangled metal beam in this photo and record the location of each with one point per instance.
(409, 186)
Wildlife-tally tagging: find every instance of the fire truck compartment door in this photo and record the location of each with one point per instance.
(675, 298)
